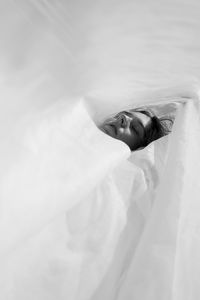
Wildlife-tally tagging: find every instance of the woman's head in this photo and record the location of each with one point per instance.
(136, 127)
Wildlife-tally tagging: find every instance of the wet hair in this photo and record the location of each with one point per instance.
(160, 126)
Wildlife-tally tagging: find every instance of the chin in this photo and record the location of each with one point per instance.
(110, 130)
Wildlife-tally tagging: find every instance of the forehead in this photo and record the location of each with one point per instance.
(142, 117)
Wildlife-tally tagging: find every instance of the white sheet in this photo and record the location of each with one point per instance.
(63, 206)
(128, 233)
(79, 217)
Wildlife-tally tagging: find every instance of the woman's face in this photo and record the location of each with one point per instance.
(128, 126)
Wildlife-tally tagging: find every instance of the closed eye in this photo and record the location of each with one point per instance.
(137, 127)
(134, 129)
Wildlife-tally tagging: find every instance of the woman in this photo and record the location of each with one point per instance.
(136, 127)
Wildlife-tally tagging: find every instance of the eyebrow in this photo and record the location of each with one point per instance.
(127, 113)
(131, 115)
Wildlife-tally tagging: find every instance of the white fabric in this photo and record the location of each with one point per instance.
(129, 233)
(81, 218)
(62, 209)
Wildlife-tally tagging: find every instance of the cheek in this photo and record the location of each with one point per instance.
(124, 131)
(133, 140)
(126, 136)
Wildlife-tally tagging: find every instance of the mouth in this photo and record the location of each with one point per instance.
(104, 130)
(110, 129)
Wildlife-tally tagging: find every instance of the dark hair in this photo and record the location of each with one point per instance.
(159, 126)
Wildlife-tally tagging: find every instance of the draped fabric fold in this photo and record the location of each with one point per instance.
(81, 217)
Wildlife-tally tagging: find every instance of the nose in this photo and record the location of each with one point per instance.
(122, 121)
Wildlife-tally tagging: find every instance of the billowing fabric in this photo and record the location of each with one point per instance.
(81, 217)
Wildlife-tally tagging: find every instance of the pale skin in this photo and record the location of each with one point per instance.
(127, 126)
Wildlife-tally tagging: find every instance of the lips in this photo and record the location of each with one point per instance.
(110, 129)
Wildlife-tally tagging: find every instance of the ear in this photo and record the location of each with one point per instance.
(167, 122)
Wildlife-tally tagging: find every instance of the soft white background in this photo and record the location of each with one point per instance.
(114, 54)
